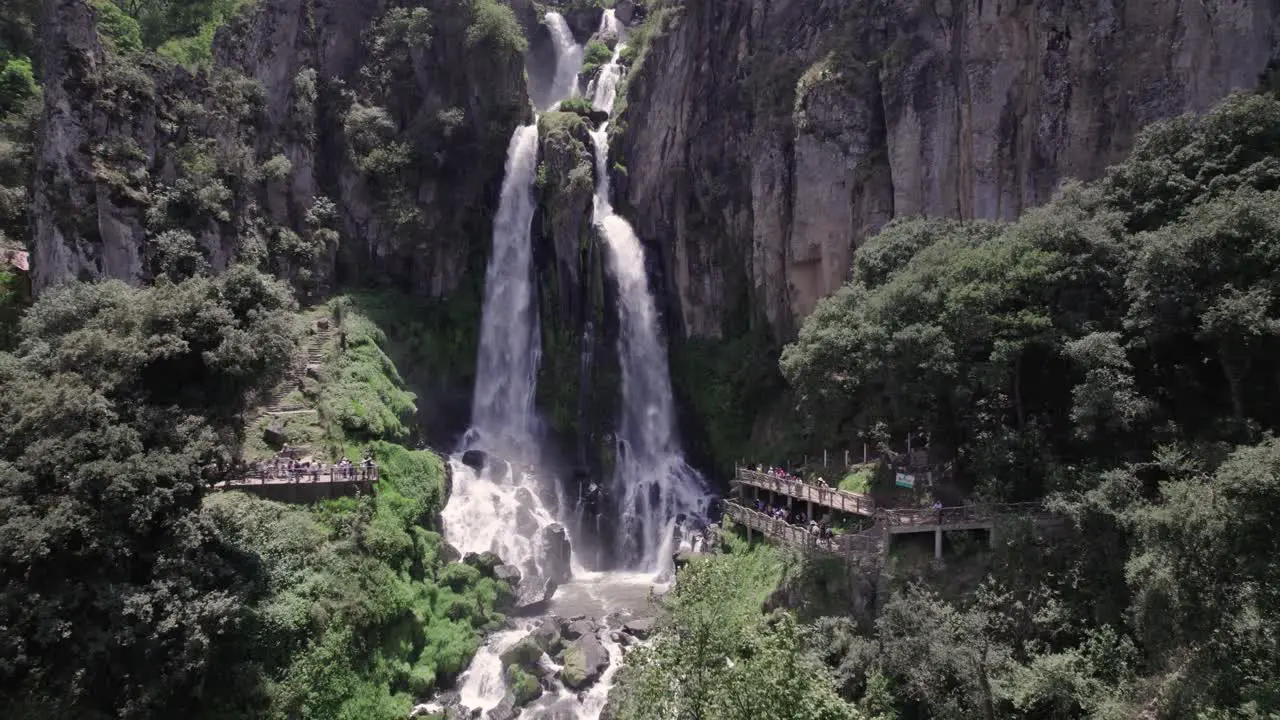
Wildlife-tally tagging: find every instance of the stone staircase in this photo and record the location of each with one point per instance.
(312, 354)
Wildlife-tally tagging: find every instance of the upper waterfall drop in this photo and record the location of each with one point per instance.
(658, 487)
(604, 88)
(568, 58)
(502, 412)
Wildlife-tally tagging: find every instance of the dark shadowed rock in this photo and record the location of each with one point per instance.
(475, 459)
(486, 562)
(624, 10)
(556, 552)
(449, 553)
(640, 627)
(534, 595)
(274, 434)
(509, 574)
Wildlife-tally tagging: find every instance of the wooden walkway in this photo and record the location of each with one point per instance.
(841, 500)
(305, 485)
(864, 547)
(872, 543)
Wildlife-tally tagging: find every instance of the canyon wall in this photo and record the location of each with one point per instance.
(763, 140)
(333, 141)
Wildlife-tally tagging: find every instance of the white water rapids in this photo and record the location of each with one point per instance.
(509, 507)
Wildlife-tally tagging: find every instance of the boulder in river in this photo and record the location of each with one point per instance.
(523, 654)
(556, 553)
(534, 596)
(521, 686)
(509, 574)
(640, 627)
(475, 459)
(449, 553)
(486, 562)
(585, 659)
(548, 636)
(579, 628)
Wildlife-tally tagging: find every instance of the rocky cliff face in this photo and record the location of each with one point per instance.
(332, 140)
(763, 140)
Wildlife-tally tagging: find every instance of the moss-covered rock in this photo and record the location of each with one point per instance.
(584, 661)
(524, 654)
(523, 686)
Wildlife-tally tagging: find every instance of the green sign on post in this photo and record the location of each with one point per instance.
(904, 480)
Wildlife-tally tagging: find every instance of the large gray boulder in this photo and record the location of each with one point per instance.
(556, 553)
(640, 627)
(585, 659)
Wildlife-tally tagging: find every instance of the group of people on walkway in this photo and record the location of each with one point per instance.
(798, 519)
(781, 474)
(286, 465)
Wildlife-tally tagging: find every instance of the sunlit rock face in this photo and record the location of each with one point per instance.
(765, 140)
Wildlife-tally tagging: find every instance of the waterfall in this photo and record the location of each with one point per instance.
(604, 89)
(656, 483)
(568, 58)
(502, 414)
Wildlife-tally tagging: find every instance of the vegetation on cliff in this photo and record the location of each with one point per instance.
(129, 593)
(1110, 350)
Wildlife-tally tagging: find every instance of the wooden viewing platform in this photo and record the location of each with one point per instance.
(888, 521)
(305, 484)
(842, 500)
(867, 546)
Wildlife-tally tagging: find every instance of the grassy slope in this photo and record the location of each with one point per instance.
(357, 615)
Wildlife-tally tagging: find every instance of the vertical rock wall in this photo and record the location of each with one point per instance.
(765, 139)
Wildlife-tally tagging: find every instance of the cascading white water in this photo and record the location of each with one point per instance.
(501, 508)
(656, 483)
(482, 686)
(568, 58)
(604, 88)
(498, 510)
(502, 414)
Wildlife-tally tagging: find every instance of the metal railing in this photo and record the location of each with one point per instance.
(333, 474)
(841, 500)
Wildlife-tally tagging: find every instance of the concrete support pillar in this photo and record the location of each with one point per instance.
(748, 535)
(937, 543)
(811, 517)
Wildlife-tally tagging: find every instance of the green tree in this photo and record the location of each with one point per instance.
(718, 657)
(115, 596)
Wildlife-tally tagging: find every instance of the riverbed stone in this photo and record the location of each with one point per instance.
(556, 551)
(485, 562)
(548, 636)
(509, 574)
(475, 459)
(580, 627)
(640, 627)
(584, 661)
(523, 654)
(522, 686)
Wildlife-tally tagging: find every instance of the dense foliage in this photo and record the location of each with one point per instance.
(1112, 350)
(126, 592)
(717, 657)
(115, 596)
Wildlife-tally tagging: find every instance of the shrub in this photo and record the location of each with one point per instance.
(495, 23)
